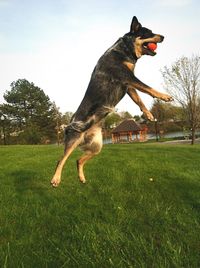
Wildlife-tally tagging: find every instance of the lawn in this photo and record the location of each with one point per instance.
(139, 208)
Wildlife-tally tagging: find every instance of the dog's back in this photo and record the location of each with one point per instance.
(108, 83)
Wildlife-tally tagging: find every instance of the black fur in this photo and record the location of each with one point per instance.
(111, 79)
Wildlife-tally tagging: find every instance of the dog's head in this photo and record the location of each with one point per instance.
(140, 37)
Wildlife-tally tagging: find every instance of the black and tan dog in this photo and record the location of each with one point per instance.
(111, 79)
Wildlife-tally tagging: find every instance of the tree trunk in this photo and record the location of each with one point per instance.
(193, 136)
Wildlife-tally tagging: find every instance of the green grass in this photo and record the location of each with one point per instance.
(118, 219)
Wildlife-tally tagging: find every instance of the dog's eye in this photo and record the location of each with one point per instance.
(146, 33)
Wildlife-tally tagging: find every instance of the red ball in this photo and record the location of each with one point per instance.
(152, 46)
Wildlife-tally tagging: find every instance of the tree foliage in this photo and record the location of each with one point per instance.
(169, 117)
(66, 118)
(164, 112)
(125, 115)
(182, 81)
(112, 120)
(30, 112)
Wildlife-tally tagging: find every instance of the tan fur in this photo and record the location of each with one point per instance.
(139, 43)
(150, 91)
(57, 176)
(85, 129)
(129, 65)
(138, 47)
(136, 98)
(91, 145)
(137, 84)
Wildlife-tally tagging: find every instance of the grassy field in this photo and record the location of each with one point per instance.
(120, 218)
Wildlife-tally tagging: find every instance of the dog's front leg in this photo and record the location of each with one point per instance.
(152, 92)
(136, 98)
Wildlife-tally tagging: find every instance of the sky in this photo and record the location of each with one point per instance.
(56, 43)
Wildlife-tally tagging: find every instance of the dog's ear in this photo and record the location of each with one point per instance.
(135, 25)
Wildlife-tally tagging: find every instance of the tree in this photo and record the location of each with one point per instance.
(137, 118)
(168, 117)
(182, 81)
(66, 118)
(111, 120)
(125, 115)
(166, 111)
(30, 112)
(58, 119)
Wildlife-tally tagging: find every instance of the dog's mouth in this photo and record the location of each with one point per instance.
(149, 48)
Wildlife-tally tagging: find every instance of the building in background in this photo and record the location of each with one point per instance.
(129, 131)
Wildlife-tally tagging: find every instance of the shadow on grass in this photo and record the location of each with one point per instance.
(27, 184)
(188, 192)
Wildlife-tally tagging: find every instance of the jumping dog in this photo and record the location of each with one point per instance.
(111, 79)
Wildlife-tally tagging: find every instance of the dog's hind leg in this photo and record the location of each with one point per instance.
(92, 144)
(80, 164)
(72, 140)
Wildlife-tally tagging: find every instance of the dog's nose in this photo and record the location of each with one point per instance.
(161, 38)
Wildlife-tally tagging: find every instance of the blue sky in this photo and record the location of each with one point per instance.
(56, 43)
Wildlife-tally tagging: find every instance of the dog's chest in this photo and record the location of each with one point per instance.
(129, 65)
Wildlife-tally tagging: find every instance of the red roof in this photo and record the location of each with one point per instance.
(127, 126)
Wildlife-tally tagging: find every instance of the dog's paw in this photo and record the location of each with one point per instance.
(148, 115)
(82, 180)
(55, 182)
(166, 98)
